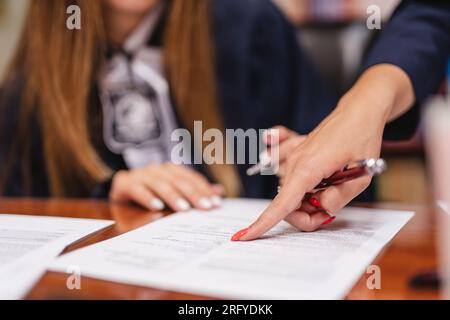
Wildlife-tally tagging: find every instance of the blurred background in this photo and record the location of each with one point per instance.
(11, 17)
(325, 26)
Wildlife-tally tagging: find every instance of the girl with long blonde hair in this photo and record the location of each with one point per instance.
(89, 112)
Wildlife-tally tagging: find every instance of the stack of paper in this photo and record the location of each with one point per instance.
(192, 252)
(28, 244)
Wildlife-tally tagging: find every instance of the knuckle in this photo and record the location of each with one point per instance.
(308, 175)
(305, 175)
(198, 176)
(118, 181)
(136, 189)
(134, 174)
(309, 225)
(332, 203)
(164, 188)
(149, 172)
(187, 189)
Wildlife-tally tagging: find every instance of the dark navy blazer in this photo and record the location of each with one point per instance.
(263, 79)
(416, 39)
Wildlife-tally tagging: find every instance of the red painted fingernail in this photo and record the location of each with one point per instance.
(314, 202)
(238, 235)
(329, 221)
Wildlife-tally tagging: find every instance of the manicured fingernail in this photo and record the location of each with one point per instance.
(205, 203)
(315, 203)
(216, 201)
(329, 221)
(182, 205)
(156, 204)
(238, 235)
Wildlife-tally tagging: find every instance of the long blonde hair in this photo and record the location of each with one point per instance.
(61, 67)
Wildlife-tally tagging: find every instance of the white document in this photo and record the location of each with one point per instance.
(192, 252)
(28, 244)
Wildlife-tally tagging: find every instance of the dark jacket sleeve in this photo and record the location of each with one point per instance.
(417, 39)
(285, 86)
(264, 77)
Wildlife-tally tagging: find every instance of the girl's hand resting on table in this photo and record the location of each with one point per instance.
(158, 185)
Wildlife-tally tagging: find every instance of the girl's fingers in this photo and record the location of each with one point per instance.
(197, 199)
(165, 190)
(219, 190)
(177, 186)
(140, 194)
(125, 188)
(198, 190)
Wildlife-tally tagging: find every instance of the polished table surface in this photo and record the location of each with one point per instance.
(413, 250)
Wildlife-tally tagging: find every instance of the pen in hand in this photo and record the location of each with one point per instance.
(352, 171)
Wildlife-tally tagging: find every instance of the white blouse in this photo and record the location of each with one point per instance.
(138, 116)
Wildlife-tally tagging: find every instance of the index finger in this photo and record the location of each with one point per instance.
(288, 200)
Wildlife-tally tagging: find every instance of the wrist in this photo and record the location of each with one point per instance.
(381, 94)
(355, 105)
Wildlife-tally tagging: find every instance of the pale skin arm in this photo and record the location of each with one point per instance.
(352, 132)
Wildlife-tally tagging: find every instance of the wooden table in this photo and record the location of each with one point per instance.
(412, 251)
